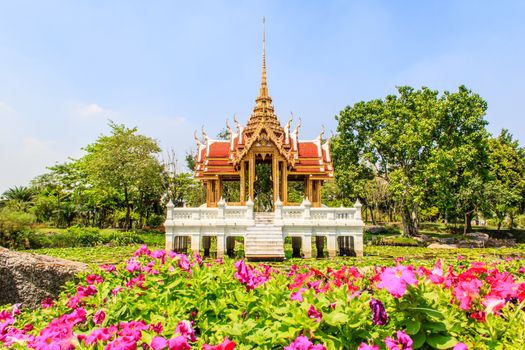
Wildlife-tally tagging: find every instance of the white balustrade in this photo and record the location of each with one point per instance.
(295, 221)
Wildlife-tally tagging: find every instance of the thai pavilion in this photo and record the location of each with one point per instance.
(256, 162)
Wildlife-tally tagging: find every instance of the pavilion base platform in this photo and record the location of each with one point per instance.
(264, 233)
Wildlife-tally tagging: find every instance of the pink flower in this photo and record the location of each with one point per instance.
(184, 263)
(133, 265)
(108, 267)
(122, 343)
(102, 334)
(47, 303)
(143, 250)
(197, 258)
(6, 319)
(395, 280)
(298, 296)
(185, 329)
(116, 290)
(159, 343)
(158, 254)
(466, 291)
(303, 343)
(460, 346)
(178, 343)
(403, 342)
(313, 313)
(249, 276)
(156, 327)
(225, 345)
(94, 279)
(73, 302)
(493, 304)
(364, 346)
(99, 317)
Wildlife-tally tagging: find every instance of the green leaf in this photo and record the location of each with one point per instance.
(429, 312)
(412, 326)
(419, 340)
(335, 318)
(441, 341)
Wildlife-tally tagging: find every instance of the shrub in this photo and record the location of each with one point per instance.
(13, 224)
(156, 220)
(400, 241)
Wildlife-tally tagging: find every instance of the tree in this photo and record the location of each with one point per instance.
(417, 145)
(127, 162)
(21, 196)
(507, 177)
(390, 139)
(457, 169)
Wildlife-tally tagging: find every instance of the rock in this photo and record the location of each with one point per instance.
(471, 243)
(30, 278)
(442, 246)
(425, 239)
(376, 230)
(500, 243)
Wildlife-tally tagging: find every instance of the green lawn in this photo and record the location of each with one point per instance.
(373, 254)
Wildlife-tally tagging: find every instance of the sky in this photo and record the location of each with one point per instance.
(171, 67)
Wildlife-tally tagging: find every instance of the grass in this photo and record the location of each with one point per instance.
(373, 254)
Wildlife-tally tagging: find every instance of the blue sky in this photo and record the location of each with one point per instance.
(169, 67)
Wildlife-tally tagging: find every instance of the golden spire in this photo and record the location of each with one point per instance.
(263, 112)
(264, 86)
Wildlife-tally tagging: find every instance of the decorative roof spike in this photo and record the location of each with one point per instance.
(204, 135)
(264, 86)
(197, 138)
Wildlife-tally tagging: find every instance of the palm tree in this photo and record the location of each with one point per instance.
(17, 194)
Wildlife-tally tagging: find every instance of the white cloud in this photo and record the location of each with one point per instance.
(92, 111)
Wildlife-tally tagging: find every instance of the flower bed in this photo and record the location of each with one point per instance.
(163, 300)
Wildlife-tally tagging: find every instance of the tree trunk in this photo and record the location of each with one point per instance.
(467, 227)
(372, 216)
(511, 222)
(499, 225)
(409, 220)
(128, 210)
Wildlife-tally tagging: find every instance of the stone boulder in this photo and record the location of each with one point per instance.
(442, 246)
(30, 278)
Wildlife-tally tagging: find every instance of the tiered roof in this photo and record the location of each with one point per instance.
(304, 157)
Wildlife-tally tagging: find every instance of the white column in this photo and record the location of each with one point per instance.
(331, 243)
(358, 245)
(196, 243)
(221, 243)
(307, 246)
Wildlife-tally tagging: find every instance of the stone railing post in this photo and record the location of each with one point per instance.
(169, 211)
(221, 206)
(306, 205)
(169, 226)
(357, 206)
(278, 209)
(249, 209)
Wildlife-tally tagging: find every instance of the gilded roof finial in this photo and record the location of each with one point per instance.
(264, 86)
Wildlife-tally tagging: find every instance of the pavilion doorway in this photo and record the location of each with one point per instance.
(263, 185)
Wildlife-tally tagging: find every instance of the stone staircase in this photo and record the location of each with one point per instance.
(264, 241)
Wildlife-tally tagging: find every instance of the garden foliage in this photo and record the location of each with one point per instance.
(163, 300)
